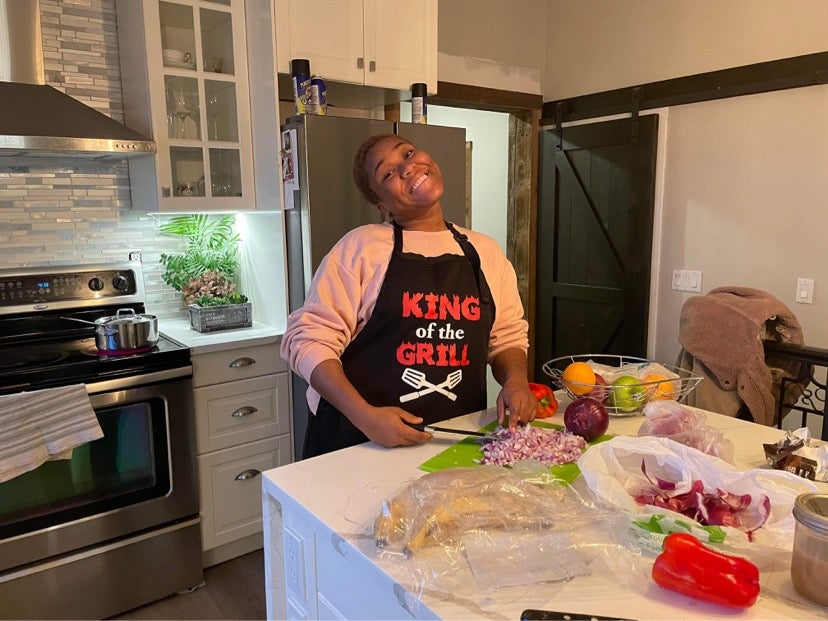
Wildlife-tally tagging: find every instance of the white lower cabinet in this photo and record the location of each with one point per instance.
(231, 489)
(242, 404)
(324, 576)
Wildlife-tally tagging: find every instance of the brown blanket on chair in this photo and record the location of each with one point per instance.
(724, 330)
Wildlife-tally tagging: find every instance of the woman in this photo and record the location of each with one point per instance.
(402, 317)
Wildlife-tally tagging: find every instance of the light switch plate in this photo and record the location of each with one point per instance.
(693, 281)
(805, 290)
(687, 280)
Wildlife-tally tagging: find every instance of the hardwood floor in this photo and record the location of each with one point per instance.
(233, 590)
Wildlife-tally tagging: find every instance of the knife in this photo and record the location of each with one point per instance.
(554, 615)
(462, 432)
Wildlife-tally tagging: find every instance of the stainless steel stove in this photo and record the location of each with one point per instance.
(117, 525)
(40, 347)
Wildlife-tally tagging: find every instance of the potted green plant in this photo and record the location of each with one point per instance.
(205, 272)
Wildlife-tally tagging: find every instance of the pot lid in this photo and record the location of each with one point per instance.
(124, 316)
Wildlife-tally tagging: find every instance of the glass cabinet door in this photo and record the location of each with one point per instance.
(206, 102)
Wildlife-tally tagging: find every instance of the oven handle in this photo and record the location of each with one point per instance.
(139, 380)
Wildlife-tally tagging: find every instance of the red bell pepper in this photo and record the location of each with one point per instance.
(547, 403)
(691, 568)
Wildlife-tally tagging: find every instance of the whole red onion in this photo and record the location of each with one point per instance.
(586, 417)
(600, 392)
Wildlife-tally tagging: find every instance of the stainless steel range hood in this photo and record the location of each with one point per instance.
(37, 120)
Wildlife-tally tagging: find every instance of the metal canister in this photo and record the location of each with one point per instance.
(301, 79)
(809, 560)
(318, 103)
(419, 103)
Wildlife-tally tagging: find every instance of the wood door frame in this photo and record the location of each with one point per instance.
(524, 112)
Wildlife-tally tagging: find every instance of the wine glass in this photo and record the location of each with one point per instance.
(213, 115)
(182, 110)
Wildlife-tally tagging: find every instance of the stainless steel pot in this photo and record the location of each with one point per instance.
(124, 331)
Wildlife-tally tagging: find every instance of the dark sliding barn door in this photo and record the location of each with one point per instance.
(595, 231)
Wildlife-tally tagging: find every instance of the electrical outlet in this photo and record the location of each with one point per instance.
(135, 255)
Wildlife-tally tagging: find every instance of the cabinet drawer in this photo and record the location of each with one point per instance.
(242, 411)
(230, 486)
(234, 364)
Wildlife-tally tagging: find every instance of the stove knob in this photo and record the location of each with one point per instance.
(121, 283)
(96, 284)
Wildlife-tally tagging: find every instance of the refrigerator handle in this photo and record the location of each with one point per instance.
(372, 66)
(360, 63)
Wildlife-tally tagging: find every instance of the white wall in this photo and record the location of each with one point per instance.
(746, 203)
(511, 32)
(597, 45)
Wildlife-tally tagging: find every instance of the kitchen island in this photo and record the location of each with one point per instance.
(321, 561)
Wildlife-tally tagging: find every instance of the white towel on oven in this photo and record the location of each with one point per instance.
(40, 425)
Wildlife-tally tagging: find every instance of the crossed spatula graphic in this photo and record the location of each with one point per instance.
(417, 379)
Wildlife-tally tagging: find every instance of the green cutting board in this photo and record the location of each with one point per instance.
(468, 452)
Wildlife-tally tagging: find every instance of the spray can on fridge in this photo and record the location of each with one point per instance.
(419, 103)
(318, 103)
(301, 79)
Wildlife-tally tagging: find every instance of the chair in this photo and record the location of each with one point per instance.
(722, 334)
(805, 393)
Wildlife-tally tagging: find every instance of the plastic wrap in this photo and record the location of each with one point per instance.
(618, 470)
(466, 531)
(439, 508)
(669, 419)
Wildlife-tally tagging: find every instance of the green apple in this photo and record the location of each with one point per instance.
(627, 393)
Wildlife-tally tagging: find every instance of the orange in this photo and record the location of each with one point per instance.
(662, 390)
(579, 378)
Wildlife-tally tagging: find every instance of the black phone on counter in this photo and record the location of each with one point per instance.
(532, 614)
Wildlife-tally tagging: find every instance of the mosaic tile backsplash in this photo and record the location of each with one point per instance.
(57, 212)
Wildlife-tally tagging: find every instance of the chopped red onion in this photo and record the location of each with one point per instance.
(548, 446)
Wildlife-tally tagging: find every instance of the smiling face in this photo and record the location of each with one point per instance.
(407, 182)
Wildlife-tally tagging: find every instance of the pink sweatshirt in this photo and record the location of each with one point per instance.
(345, 288)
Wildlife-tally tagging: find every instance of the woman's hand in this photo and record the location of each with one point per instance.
(521, 404)
(509, 369)
(388, 426)
(391, 426)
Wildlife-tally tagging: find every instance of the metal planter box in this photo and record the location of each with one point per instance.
(226, 317)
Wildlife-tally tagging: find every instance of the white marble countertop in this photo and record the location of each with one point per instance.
(348, 501)
(202, 343)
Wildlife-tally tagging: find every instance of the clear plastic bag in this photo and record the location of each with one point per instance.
(622, 469)
(500, 531)
(669, 419)
(439, 508)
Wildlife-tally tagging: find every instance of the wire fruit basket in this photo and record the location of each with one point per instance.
(624, 384)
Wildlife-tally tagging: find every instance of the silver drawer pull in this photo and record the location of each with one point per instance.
(242, 362)
(248, 474)
(246, 410)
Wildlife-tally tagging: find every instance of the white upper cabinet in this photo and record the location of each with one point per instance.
(185, 81)
(382, 43)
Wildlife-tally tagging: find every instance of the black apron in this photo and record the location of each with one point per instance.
(424, 347)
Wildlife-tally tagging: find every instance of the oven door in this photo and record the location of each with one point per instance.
(140, 475)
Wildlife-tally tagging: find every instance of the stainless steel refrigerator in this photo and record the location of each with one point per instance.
(322, 202)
